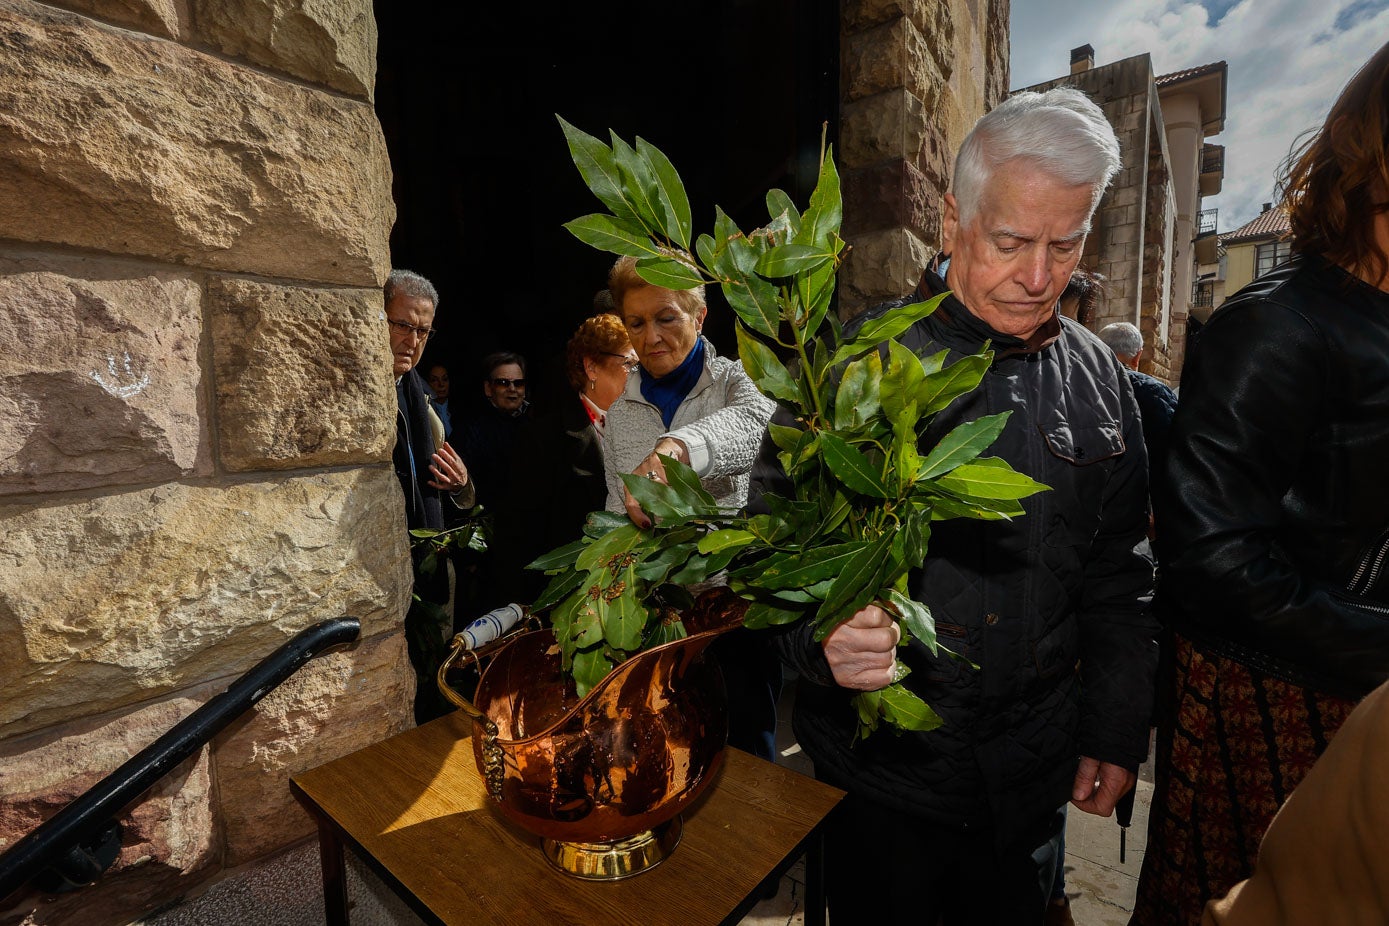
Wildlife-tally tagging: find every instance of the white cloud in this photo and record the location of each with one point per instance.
(1287, 60)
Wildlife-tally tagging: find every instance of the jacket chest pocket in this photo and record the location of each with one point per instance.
(1082, 459)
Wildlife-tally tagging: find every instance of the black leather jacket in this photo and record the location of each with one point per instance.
(1053, 607)
(1273, 521)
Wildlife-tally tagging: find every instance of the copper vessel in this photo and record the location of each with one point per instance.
(604, 778)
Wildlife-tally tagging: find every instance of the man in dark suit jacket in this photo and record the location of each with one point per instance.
(431, 473)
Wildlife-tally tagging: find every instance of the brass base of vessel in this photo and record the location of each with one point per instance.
(613, 861)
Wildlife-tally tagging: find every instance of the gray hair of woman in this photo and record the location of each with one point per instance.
(1062, 131)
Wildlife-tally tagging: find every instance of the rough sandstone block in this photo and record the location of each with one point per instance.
(856, 15)
(303, 375)
(891, 195)
(892, 55)
(100, 384)
(882, 265)
(331, 42)
(334, 705)
(168, 836)
(158, 17)
(141, 146)
(998, 52)
(935, 20)
(889, 125)
(121, 598)
(875, 59)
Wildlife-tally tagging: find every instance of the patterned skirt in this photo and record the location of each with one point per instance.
(1237, 744)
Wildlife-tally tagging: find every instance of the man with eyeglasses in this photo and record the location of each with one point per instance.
(429, 470)
(489, 436)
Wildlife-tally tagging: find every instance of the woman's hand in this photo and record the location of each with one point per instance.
(654, 468)
(450, 474)
(862, 651)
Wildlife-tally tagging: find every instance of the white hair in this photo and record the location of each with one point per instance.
(410, 283)
(1122, 338)
(1061, 131)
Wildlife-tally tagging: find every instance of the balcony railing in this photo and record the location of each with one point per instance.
(1205, 222)
(1202, 297)
(1213, 159)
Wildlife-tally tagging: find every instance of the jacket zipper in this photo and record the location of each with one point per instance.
(1364, 606)
(1370, 565)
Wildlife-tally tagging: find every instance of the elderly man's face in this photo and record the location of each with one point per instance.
(1011, 262)
(506, 387)
(404, 313)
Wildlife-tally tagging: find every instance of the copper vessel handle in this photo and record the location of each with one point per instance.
(460, 653)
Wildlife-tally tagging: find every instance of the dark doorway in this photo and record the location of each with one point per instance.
(734, 91)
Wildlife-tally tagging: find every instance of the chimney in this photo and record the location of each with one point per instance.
(1268, 206)
(1082, 59)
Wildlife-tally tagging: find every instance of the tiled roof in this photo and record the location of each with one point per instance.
(1175, 77)
(1272, 223)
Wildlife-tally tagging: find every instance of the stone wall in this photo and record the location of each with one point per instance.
(1159, 287)
(917, 75)
(195, 418)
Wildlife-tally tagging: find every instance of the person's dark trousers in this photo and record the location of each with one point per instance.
(884, 867)
(752, 675)
(1051, 856)
(426, 641)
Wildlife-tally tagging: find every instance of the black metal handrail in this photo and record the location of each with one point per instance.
(64, 840)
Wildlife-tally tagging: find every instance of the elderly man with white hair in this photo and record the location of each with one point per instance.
(1156, 401)
(1046, 697)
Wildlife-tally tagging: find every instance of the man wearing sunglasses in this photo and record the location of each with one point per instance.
(504, 382)
(489, 440)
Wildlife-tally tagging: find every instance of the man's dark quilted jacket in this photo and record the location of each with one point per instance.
(1052, 606)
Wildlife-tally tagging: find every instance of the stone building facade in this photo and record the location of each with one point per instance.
(1145, 232)
(195, 418)
(195, 400)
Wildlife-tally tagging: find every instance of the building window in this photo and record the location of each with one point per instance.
(1203, 295)
(1268, 256)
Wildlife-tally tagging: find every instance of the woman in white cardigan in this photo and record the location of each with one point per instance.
(688, 402)
(702, 409)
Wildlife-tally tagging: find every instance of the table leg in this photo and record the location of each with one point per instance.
(330, 856)
(815, 880)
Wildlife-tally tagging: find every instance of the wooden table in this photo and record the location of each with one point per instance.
(415, 810)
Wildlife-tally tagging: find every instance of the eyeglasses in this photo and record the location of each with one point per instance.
(502, 383)
(406, 330)
(630, 366)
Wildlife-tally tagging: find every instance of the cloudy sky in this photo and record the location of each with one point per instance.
(1288, 60)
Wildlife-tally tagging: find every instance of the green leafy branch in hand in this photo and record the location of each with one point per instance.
(865, 487)
(471, 534)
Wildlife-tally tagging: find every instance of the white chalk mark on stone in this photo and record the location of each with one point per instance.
(124, 383)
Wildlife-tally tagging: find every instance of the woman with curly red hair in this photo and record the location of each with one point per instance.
(597, 361)
(557, 472)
